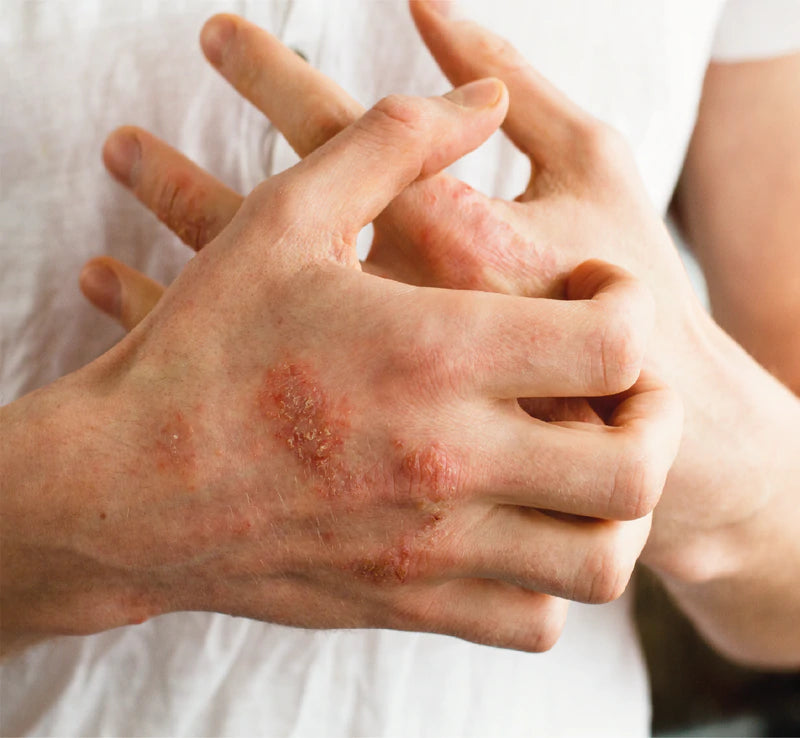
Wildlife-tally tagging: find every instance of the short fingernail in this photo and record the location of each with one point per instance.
(121, 155)
(481, 94)
(102, 286)
(215, 37)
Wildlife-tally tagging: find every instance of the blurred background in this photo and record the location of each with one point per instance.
(698, 693)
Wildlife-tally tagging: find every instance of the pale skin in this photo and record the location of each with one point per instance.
(724, 535)
(288, 438)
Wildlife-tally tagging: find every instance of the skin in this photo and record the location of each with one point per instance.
(749, 223)
(288, 438)
(723, 538)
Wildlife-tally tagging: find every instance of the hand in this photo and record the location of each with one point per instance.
(724, 533)
(585, 199)
(290, 439)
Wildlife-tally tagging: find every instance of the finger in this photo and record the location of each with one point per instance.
(192, 203)
(489, 612)
(541, 119)
(347, 182)
(590, 345)
(119, 291)
(613, 472)
(579, 559)
(307, 107)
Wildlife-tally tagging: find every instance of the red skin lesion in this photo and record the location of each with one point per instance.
(399, 563)
(313, 428)
(478, 249)
(429, 473)
(310, 425)
(391, 567)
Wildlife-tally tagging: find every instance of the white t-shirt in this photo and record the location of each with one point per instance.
(71, 72)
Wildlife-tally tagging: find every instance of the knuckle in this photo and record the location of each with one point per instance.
(499, 52)
(606, 571)
(429, 473)
(628, 491)
(601, 142)
(178, 202)
(168, 201)
(548, 630)
(286, 197)
(431, 359)
(637, 483)
(621, 351)
(536, 632)
(399, 116)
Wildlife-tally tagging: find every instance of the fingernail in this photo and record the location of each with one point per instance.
(442, 7)
(121, 155)
(101, 285)
(480, 94)
(215, 37)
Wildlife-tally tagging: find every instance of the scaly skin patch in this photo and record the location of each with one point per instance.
(391, 567)
(308, 423)
(429, 473)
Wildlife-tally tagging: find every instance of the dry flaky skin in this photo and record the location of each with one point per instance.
(310, 425)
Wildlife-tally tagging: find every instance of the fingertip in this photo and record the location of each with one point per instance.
(102, 287)
(216, 35)
(442, 9)
(122, 154)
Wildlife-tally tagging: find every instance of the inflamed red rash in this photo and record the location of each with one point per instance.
(481, 250)
(430, 473)
(396, 564)
(311, 426)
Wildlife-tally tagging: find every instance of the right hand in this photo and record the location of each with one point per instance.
(287, 438)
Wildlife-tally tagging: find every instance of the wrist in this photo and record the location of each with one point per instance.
(58, 472)
(735, 460)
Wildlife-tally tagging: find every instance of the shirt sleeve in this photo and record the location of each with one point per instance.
(757, 29)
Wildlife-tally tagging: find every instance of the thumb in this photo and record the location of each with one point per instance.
(346, 183)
